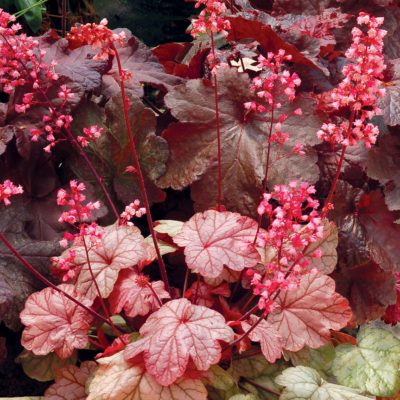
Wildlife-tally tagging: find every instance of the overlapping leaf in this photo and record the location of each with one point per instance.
(177, 332)
(270, 340)
(138, 59)
(368, 288)
(306, 314)
(305, 383)
(55, 323)
(214, 239)
(135, 297)
(122, 247)
(193, 144)
(116, 379)
(70, 382)
(371, 366)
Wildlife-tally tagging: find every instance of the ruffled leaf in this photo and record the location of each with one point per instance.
(215, 239)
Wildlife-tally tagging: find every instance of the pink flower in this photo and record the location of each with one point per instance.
(8, 189)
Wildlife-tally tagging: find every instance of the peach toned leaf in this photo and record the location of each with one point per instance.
(176, 332)
(327, 244)
(132, 293)
(55, 323)
(306, 314)
(122, 247)
(116, 379)
(70, 382)
(214, 239)
(270, 340)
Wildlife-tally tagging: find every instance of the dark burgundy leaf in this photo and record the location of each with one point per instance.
(368, 288)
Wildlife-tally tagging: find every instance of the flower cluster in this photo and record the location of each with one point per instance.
(360, 89)
(91, 133)
(132, 210)
(78, 214)
(293, 225)
(8, 189)
(64, 267)
(99, 36)
(211, 18)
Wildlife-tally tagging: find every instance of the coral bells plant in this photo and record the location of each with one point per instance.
(274, 276)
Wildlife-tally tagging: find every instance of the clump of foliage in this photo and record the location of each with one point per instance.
(279, 279)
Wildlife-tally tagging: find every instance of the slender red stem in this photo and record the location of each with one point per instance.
(219, 181)
(44, 280)
(328, 200)
(185, 283)
(98, 178)
(265, 182)
(139, 173)
(254, 326)
(154, 294)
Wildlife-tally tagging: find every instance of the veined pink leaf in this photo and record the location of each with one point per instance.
(132, 293)
(55, 323)
(270, 340)
(305, 315)
(122, 247)
(70, 382)
(214, 239)
(176, 332)
(116, 379)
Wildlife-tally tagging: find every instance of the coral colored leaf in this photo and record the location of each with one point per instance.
(122, 247)
(55, 323)
(306, 314)
(43, 368)
(371, 366)
(306, 383)
(327, 244)
(116, 379)
(270, 340)
(176, 332)
(193, 144)
(70, 382)
(214, 239)
(131, 293)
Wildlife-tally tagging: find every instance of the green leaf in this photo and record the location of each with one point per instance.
(244, 397)
(320, 359)
(371, 366)
(249, 367)
(43, 368)
(220, 384)
(33, 13)
(303, 383)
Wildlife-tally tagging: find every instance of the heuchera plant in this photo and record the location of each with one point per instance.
(279, 280)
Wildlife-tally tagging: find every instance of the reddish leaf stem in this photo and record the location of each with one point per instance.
(44, 280)
(139, 173)
(154, 294)
(219, 183)
(103, 305)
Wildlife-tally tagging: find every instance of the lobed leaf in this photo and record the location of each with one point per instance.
(177, 332)
(305, 315)
(55, 323)
(372, 365)
(214, 239)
